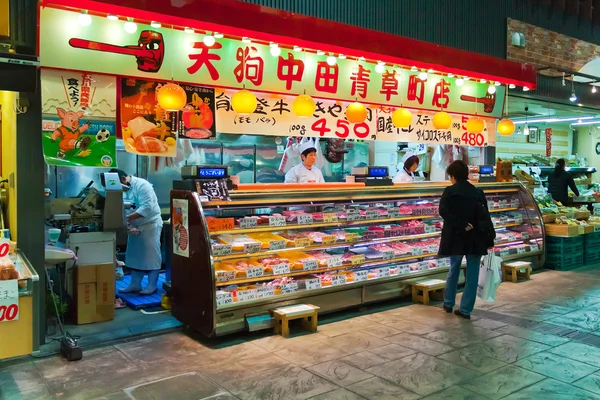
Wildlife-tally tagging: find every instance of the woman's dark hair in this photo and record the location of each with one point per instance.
(410, 161)
(308, 151)
(559, 166)
(458, 170)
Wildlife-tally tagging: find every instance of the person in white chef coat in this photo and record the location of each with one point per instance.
(306, 172)
(407, 173)
(143, 240)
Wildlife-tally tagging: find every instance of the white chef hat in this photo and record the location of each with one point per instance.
(407, 155)
(309, 144)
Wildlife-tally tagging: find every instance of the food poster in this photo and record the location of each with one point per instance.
(180, 225)
(146, 128)
(198, 117)
(78, 119)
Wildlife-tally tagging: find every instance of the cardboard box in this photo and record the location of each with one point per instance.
(95, 293)
(562, 230)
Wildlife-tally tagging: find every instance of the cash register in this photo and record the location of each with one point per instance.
(372, 176)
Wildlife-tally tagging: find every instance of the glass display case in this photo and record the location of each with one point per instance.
(330, 247)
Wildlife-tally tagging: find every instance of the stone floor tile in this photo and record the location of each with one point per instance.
(502, 382)
(461, 336)
(590, 383)
(310, 354)
(412, 327)
(226, 372)
(392, 352)
(379, 389)
(363, 360)
(455, 393)
(355, 342)
(423, 374)
(587, 320)
(339, 394)
(507, 348)
(417, 343)
(473, 360)
(339, 372)
(579, 352)
(556, 367)
(190, 386)
(535, 336)
(381, 331)
(552, 390)
(485, 323)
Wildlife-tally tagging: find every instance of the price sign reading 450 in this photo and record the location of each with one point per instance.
(342, 128)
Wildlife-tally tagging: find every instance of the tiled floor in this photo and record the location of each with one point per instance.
(409, 352)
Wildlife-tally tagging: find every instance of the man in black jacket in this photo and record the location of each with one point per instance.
(559, 181)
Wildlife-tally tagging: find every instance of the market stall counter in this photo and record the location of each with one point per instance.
(334, 247)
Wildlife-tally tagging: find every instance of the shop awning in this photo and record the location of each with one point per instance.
(233, 17)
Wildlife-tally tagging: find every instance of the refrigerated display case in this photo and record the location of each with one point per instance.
(331, 247)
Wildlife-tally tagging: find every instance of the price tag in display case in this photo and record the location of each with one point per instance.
(388, 255)
(352, 215)
(277, 221)
(524, 235)
(533, 247)
(225, 276)
(255, 272)
(310, 265)
(289, 288)
(361, 276)
(512, 237)
(357, 259)
(432, 248)
(504, 252)
(430, 229)
(521, 250)
(423, 266)
(372, 214)
(305, 219)
(251, 247)
(490, 204)
(334, 262)
(312, 284)
(515, 203)
(518, 219)
(337, 280)
(383, 272)
(330, 218)
(503, 219)
(352, 237)
(503, 203)
(224, 299)
(281, 269)
(302, 242)
(417, 251)
(277, 245)
(264, 292)
(221, 250)
(328, 239)
(247, 295)
(443, 262)
(247, 223)
(394, 212)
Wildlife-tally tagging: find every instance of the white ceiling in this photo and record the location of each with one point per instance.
(539, 109)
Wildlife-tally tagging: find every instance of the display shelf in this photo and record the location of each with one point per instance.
(212, 294)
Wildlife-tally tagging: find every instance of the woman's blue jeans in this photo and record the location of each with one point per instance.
(470, 293)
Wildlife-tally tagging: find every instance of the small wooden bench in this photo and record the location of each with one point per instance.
(423, 290)
(307, 312)
(512, 271)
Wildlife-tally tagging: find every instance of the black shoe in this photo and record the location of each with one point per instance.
(465, 316)
(448, 309)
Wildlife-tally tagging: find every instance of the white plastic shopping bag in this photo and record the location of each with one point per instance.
(490, 277)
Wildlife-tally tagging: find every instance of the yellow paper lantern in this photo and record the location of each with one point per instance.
(244, 102)
(401, 118)
(442, 120)
(304, 106)
(356, 113)
(171, 97)
(475, 125)
(506, 127)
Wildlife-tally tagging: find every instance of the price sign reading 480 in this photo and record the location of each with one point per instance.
(470, 138)
(9, 291)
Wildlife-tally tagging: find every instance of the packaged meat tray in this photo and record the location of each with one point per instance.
(265, 238)
(237, 242)
(297, 259)
(368, 252)
(291, 236)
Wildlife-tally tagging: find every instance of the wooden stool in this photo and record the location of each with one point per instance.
(512, 271)
(307, 312)
(433, 287)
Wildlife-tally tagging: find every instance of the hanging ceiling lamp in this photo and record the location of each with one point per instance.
(244, 102)
(442, 120)
(505, 127)
(304, 106)
(171, 97)
(475, 125)
(356, 113)
(401, 118)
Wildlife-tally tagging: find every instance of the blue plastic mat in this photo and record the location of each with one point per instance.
(137, 301)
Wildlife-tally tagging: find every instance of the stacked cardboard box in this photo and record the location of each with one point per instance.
(95, 293)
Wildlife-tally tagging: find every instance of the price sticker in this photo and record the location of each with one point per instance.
(533, 247)
(277, 221)
(383, 213)
(305, 219)
(255, 272)
(312, 284)
(224, 299)
(503, 203)
(432, 248)
(302, 242)
(352, 237)
(247, 223)
(443, 262)
(525, 235)
(394, 212)
(416, 251)
(277, 244)
(423, 266)
(357, 259)
(383, 272)
(512, 237)
(514, 203)
(247, 295)
(398, 231)
(519, 219)
(334, 262)
(310, 265)
(521, 250)
(490, 204)
(281, 269)
(289, 288)
(388, 255)
(371, 214)
(352, 215)
(251, 247)
(265, 291)
(337, 280)
(221, 250)
(361, 276)
(226, 276)
(221, 224)
(330, 218)
(430, 229)
(596, 228)
(503, 219)
(504, 252)
(329, 239)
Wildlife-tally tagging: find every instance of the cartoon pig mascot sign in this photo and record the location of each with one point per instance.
(69, 131)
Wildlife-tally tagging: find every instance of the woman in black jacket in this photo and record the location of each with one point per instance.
(464, 210)
(559, 181)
